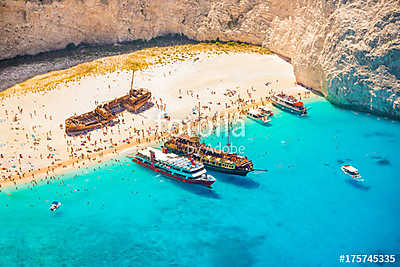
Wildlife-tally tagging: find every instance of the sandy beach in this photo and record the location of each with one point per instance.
(33, 143)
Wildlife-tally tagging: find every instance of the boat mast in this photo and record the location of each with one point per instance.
(199, 124)
(133, 75)
(229, 144)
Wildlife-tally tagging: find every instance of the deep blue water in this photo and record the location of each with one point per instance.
(303, 212)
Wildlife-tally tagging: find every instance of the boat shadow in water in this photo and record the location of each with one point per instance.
(56, 213)
(242, 181)
(358, 185)
(197, 189)
(303, 117)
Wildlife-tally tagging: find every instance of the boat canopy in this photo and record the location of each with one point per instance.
(193, 139)
(171, 158)
(254, 112)
(299, 103)
(264, 108)
(350, 168)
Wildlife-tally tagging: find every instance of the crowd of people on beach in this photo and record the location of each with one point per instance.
(42, 152)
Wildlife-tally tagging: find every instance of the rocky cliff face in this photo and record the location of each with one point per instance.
(348, 50)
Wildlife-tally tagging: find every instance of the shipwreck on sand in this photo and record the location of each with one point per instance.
(106, 114)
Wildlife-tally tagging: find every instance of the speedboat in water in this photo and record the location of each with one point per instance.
(180, 168)
(353, 172)
(55, 205)
(289, 103)
(258, 116)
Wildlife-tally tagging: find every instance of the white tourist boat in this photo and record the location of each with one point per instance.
(289, 103)
(180, 168)
(258, 116)
(266, 110)
(353, 172)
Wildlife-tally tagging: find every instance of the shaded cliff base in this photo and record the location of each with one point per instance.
(361, 109)
(21, 68)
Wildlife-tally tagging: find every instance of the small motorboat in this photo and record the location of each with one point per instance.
(353, 172)
(258, 116)
(266, 110)
(55, 205)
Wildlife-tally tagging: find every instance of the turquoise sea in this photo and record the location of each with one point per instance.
(303, 212)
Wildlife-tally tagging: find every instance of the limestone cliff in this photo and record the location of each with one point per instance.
(348, 50)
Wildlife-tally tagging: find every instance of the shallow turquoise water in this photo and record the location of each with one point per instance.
(303, 212)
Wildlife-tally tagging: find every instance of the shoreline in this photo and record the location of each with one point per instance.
(121, 150)
(32, 137)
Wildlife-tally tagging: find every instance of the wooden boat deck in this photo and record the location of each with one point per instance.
(106, 113)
